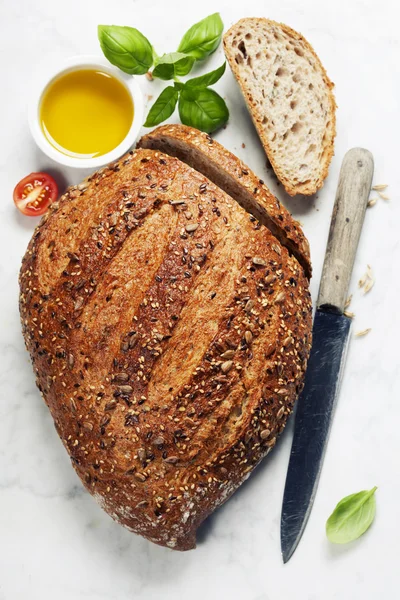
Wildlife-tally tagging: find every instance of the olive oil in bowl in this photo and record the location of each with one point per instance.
(86, 113)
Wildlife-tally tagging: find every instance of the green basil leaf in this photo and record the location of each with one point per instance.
(163, 107)
(203, 109)
(126, 48)
(351, 517)
(203, 38)
(208, 79)
(174, 64)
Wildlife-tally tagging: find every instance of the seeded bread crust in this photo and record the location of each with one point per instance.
(169, 333)
(229, 173)
(310, 162)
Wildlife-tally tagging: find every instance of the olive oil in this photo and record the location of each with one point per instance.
(86, 113)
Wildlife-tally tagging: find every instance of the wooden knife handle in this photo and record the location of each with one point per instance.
(347, 220)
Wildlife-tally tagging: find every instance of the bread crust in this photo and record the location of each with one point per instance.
(226, 170)
(291, 187)
(169, 333)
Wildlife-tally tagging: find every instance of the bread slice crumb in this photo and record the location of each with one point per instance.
(290, 99)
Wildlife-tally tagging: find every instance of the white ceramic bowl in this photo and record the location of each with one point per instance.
(72, 64)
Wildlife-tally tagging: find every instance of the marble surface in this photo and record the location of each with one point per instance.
(55, 542)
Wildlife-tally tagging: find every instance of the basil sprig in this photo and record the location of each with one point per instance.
(173, 65)
(199, 106)
(203, 109)
(207, 79)
(126, 48)
(203, 38)
(163, 107)
(352, 517)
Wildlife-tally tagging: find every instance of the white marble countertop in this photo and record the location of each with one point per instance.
(56, 543)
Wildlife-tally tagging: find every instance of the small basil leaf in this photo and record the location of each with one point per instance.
(203, 38)
(203, 109)
(126, 48)
(163, 107)
(208, 79)
(351, 517)
(174, 64)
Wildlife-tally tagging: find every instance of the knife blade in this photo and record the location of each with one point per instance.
(331, 332)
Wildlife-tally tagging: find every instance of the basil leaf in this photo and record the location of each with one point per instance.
(126, 48)
(203, 109)
(351, 517)
(208, 79)
(203, 38)
(174, 64)
(163, 107)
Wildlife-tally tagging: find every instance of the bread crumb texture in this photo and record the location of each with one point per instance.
(290, 99)
(169, 333)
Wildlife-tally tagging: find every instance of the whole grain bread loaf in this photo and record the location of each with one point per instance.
(169, 332)
(290, 99)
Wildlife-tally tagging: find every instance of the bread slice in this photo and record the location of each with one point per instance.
(290, 99)
(206, 155)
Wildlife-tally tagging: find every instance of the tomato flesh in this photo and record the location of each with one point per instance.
(33, 194)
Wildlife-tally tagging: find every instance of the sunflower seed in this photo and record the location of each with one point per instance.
(110, 405)
(191, 227)
(226, 366)
(248, 337)
(78, 303)
(257, 260)
(228, 354)
(368, 286)
(280, 297)
(125, 389)
(177, 202)
(287, 341)
(265, 433)
(249, 305)
(132, 340)
(88, 426)
(140, 477)
(248, 437)
(280, 412)
(270, 279)
(363, 332)
(121, 377)
(171, 460)
(158, 441)
(71, 360)
(276, 248)
(348, 301)
(270, 350)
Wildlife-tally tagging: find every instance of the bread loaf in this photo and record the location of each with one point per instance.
(290, 99)
(169, 333)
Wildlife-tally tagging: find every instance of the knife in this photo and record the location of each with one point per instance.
(331, 331)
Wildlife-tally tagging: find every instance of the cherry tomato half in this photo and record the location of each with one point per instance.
(33, 194)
